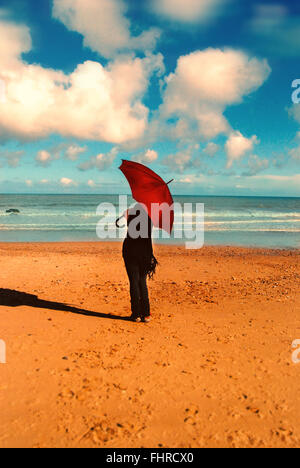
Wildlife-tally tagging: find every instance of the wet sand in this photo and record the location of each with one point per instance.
(213, 369)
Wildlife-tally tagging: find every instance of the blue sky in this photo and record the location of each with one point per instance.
(200, 91)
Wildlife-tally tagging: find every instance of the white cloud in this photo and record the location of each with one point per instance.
(104, 161)
(73, 151)
(205, 83)
(295, 179)
(70, 151)
(196, 96)
(92, 103)
(15, 40)
(29, 183)
(295, 153)
(237, 146)
(188, 11)
(280, 160)
(211, 149)
(100, 162)
(91, 183)
(186, 180)
(103, 25)
(178, 162)
(214, 76)
(190, 179)
(11, 158)
(256, 165)
(43, 158)
(148, 157)
(294, 112)
(66, 182)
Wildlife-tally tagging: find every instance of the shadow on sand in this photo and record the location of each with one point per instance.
(11, 298)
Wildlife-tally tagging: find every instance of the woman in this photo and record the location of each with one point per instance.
(139, 260)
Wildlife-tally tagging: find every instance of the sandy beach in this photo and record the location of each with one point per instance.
(213, 369)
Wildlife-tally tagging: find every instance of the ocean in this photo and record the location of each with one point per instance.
(240, 221)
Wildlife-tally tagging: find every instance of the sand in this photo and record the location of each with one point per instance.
(213, 369)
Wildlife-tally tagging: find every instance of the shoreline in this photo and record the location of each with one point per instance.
(158, 245)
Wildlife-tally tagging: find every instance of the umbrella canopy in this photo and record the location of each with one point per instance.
(149, 189)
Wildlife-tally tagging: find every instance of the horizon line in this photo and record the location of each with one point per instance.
(174, 195)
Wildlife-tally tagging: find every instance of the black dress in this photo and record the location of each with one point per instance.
(139, 250)
(139, 261)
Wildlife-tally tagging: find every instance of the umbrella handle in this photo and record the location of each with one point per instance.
(117, 222)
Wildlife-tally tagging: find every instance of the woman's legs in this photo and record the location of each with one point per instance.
(140, 305)
(145, 304)
(135, 295)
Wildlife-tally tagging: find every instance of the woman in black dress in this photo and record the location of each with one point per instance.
(139, 260)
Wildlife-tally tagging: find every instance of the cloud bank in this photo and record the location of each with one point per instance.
(206, 82)
(92, 103)
(103, 25)
(106, 103)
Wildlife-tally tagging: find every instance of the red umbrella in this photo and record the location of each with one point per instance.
(149, 189)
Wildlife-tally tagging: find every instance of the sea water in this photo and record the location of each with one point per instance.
(240, 221)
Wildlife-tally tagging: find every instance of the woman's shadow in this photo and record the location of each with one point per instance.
(11, 298)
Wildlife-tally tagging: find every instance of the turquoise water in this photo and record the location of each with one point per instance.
(245, 221)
